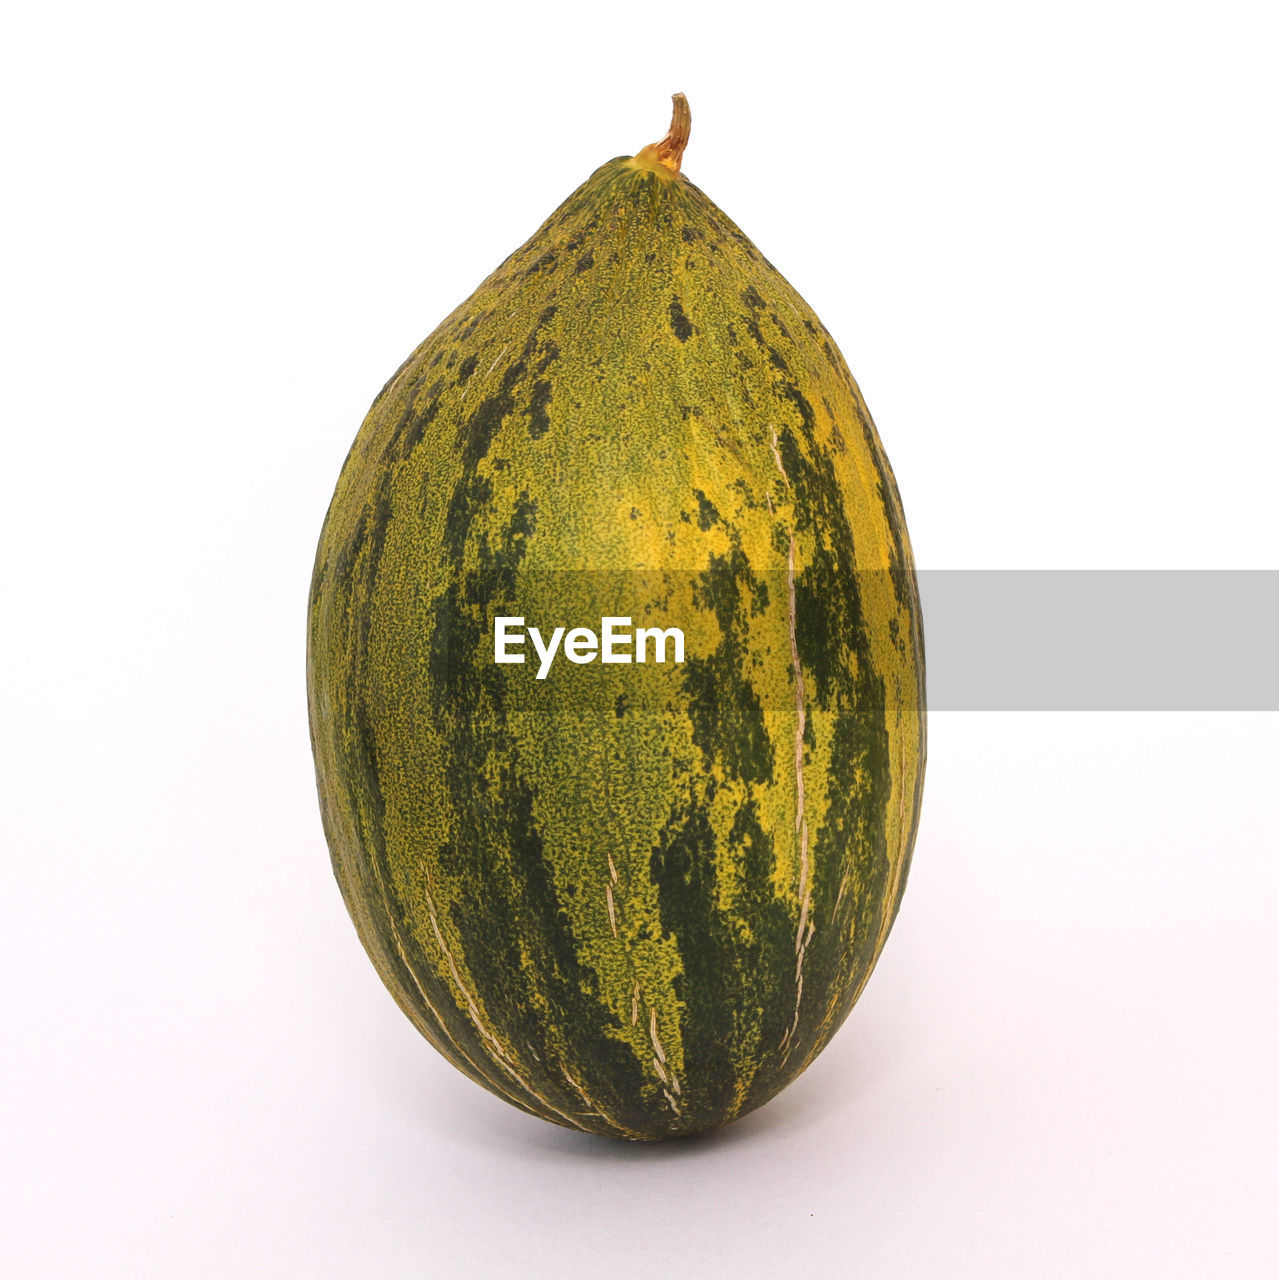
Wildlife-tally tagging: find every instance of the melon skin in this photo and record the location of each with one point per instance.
(632, 900)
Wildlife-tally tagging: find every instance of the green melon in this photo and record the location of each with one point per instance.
(632, 898)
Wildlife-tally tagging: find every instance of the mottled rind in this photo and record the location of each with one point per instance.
(632, 900)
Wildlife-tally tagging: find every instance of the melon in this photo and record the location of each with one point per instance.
(631, 897)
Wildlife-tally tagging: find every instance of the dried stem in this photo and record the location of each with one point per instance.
(670, 151)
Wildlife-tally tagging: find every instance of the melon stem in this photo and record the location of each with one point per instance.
(670, 151)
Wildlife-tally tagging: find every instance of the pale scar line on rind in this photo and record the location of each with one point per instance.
(430, 1004)
(500, 1056)
(500, 354)
(595, 1108)
(664, 1072)
(839, 897)
(777, 457)
(470, 382)
(804, 930)
(608, 893)
(661, 1066)
(659, 1061)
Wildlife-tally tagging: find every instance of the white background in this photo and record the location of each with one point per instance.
(1044, 237)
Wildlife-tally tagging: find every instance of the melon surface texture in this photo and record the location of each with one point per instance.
(634, 898)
